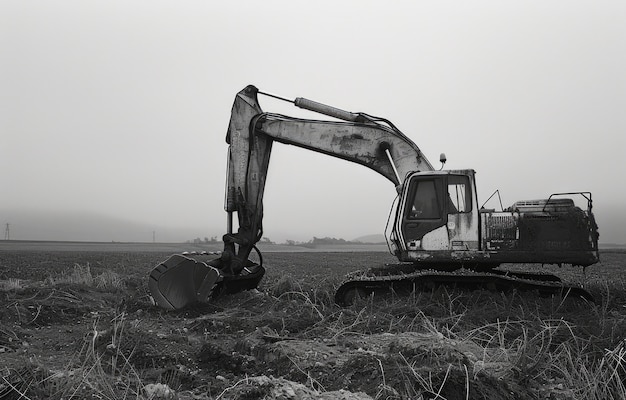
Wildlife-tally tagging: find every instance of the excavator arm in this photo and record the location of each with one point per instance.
(361, 138)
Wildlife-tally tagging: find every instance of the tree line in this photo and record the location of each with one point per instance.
(289, 242)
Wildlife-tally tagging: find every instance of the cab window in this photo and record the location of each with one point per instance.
(425, 204)
(459, 194)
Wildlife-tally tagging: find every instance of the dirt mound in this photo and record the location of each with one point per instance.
(381, 364)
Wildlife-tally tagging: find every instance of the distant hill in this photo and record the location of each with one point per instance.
(375, 238)
(612, 245)
(84, 226)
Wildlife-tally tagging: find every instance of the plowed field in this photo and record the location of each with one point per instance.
(77, 322)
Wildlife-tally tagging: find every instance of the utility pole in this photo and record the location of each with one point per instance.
(153, 236)
(7, 232)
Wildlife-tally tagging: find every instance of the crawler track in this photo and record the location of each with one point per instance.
(395, 279)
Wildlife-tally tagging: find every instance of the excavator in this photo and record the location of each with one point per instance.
(440, 234)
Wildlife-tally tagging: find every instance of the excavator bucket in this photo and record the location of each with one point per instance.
(181, 280)
(186, 279)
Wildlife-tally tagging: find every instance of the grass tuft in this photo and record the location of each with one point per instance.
(81, 275)
(11, 284)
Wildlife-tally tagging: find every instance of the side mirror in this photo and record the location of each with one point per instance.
(442, 160)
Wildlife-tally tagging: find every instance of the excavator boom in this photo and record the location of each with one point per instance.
(251, 134)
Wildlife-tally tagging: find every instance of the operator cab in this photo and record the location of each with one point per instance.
(438, 211)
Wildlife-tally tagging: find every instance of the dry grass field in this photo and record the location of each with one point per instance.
(77, 322)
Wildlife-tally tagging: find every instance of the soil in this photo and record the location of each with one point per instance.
(62, 338)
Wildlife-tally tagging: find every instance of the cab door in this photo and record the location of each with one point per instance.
(423, 211)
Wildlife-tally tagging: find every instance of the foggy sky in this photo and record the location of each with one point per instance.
(121, 108)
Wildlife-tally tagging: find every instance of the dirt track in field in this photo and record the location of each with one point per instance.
(284, 341)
